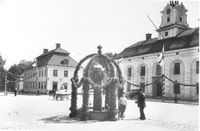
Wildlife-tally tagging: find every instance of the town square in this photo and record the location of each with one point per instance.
(43, 113)
(114, 65)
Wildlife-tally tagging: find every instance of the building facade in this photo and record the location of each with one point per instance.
(53, 70)
(140, 61)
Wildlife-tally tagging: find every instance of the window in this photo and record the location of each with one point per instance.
(177, 88)
(129, 72)
(39, 85)
(197, 67)
(39, 73)
(142, 71)
(168, 11)
(65, 62)
(180, 19)
(158, 70)
(42, 83)
(197, 88)
(176, 68)
(55, 73)
(65, 73)
(42, 73)
(45, 85)
(168, 19)
(45, 72)
(166, 33)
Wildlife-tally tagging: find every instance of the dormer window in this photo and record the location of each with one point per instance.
(168, 19)
(65, 62)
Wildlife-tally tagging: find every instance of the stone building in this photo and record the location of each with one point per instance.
(53, 69)
(139, 62)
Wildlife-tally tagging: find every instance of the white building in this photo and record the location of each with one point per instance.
(53, 69)
(181, 57)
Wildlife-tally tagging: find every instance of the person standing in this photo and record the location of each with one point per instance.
(15, 91)
(141, 104)
(122, 105)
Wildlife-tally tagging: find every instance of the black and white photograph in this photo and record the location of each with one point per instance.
(99, 65)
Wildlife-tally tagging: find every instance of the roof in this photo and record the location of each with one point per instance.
(186, 39)
(175, 5)
(57, 50)
(55, 58)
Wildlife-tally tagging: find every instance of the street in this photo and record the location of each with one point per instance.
(30, 112)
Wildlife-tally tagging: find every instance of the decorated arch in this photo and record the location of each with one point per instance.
(102, 74)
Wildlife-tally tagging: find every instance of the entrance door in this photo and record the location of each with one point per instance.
(55, 85)
(159, 89)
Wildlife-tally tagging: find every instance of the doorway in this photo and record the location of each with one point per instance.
(55, 85)
(159, 89)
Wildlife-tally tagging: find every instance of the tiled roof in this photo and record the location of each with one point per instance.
(186, 39)
(54, 57)
(56, 61)
(189, 32)
(58, 50)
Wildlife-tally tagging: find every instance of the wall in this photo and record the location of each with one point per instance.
(186, 57)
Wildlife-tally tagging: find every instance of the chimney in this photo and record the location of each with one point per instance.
(45, 51)
(57, 45)
(148, 36)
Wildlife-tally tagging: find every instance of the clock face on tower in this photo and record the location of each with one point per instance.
(168, 11)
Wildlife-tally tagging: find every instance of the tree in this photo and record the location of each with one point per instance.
(2, 74)
(17, 70)
(111, 55)
(25, 65)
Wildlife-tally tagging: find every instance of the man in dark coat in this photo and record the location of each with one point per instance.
(141, 104)
(15, 91)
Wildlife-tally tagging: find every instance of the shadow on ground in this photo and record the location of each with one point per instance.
(65, 119)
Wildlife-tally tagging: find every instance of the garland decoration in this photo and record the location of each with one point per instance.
(121, 80)
(73, 107)
(112, 96)
(110, 81)
(85, 108)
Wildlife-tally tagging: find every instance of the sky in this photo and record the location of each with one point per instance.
(29, 26)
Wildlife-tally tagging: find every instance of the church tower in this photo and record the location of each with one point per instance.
(173, 20)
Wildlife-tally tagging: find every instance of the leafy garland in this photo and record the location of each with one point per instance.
(112, 96)
(85, 108)
(110, 87)
(74, 80)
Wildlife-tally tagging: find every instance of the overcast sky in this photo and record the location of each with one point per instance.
(29, 26)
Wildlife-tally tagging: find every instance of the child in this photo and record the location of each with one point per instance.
(122, 105)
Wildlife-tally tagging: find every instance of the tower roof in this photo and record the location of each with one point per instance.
(175, 5)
